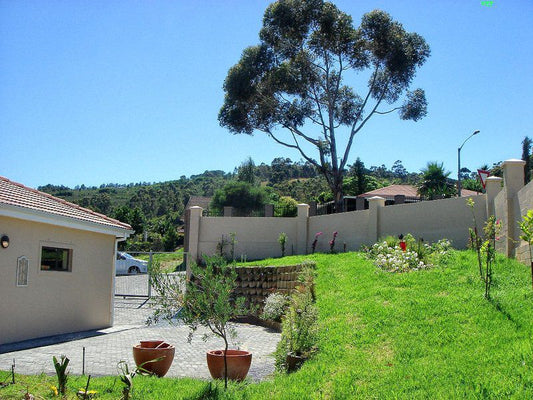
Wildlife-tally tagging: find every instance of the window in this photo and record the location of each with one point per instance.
(56, 259)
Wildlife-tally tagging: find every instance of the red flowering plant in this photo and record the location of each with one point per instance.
(332, 242)
(313, 245)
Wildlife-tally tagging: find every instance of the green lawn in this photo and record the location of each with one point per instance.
(418, 335)
(170, 262)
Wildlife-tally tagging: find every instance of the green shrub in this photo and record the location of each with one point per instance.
(240, 195)
(299, 329)
(286, 207)
(282, 240)
(275, 307)
(419, 255)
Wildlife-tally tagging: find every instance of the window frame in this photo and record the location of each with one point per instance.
(56, 246)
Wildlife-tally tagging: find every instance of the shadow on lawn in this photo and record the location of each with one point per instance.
(209, 392)
(499, 307)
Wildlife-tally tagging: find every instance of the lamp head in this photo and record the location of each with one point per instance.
(476, 132)
(4, 241)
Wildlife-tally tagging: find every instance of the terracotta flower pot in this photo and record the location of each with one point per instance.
(238, 361)
(150, 350)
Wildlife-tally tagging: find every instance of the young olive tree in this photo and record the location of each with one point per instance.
(294, 85)
(206, 299)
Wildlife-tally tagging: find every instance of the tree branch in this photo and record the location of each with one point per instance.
(387, 112)
(317, 101)
(333, 141)
(354, 131)
(374, 76)
(292, 146)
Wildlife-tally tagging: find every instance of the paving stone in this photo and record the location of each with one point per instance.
(105, 348)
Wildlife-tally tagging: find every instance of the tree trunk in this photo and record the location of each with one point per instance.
(532, 274)
(225, 364)
(339, 203)
(337, 193)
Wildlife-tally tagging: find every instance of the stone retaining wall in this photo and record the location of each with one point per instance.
(256, 283)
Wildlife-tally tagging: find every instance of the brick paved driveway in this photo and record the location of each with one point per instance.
(105, 348)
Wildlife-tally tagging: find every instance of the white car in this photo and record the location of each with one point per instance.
(127, 264)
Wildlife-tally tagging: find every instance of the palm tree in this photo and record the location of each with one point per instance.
(435, 182)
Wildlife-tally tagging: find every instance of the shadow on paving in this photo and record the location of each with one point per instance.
(50, 340)
(130, 303)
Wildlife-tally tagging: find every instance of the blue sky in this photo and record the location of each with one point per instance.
(96, 92)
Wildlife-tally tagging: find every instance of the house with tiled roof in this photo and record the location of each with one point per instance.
(393, 194)
(410, 192)
(57, 264)
(199, 201)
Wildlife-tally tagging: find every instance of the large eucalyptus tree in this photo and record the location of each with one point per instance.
(295, 85)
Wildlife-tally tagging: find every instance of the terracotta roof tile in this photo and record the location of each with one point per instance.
(200, 201)
(18, 195)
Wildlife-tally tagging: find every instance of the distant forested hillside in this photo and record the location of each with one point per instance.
(155, 210)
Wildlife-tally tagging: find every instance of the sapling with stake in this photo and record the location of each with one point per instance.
(488, 248)
(475, 239)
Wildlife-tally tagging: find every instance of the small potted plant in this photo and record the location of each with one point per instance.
(298, 328)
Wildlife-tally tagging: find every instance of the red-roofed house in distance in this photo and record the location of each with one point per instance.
(57, 265)
(393, 194)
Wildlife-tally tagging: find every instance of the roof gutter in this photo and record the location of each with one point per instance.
(27, 214)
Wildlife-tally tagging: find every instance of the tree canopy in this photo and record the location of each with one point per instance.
(241, 195)
(294, 81)
(435, 182)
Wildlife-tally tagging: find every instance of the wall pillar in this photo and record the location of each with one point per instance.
(192, 235)
(302, 228)
(269, 210)
(374, 205)
(312, 208)
(513, 179)
(492, 188)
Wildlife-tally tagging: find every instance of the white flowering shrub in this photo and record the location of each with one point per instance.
(417, 256)
(440, 251)
(275, 306)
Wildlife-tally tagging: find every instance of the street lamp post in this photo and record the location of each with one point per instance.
(459, 163)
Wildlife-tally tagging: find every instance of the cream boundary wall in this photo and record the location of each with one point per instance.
(500, 206)
(256, 237)
(525, 203)
(351, 228)
(54, 301)
(431, 220)
(510, 204)
(434, 220)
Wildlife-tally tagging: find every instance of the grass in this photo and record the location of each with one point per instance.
(418, 335)
(170, 262)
